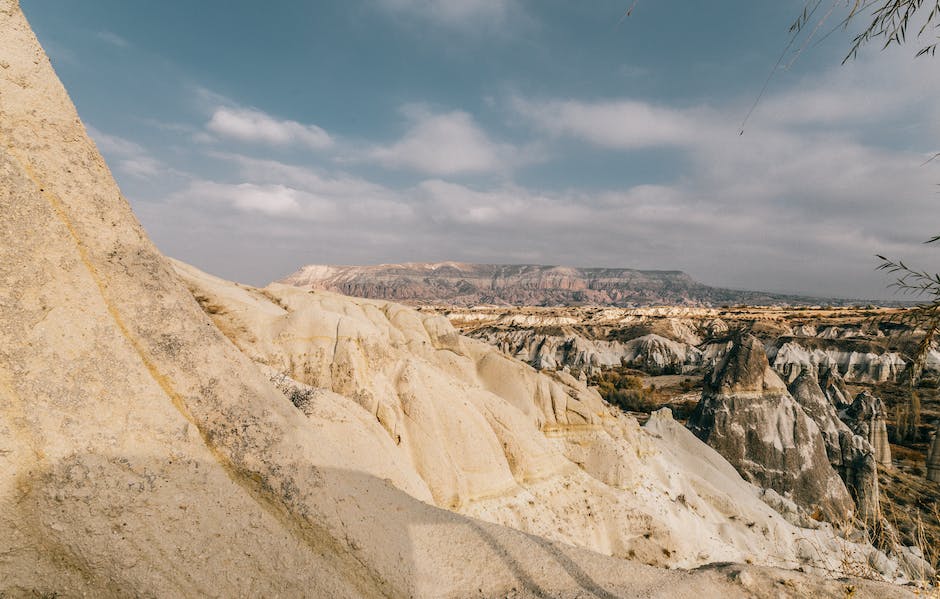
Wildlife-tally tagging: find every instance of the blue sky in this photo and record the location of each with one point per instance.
(252, 138)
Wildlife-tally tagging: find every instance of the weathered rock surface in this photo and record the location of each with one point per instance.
(463, 284)
(595, 337)
(851, 455)
(569, 349)
(866, 417)
(833, 386)
(144, 453)
(509, 445)
(749, 417)
(856, 361)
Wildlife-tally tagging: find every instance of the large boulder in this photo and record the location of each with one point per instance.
(747, 414)
(866, 417)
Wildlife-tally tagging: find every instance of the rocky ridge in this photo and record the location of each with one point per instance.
(463, 284)
(681, 340)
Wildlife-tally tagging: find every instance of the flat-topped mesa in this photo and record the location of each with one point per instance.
(851, 455)
(464, 284)
(866, 417)
(749, 417)
(933, 459)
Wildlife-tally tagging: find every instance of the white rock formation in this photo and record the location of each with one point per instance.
(792, 358)
(652, 352)
(509, 445)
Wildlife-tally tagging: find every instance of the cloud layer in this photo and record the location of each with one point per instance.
(249, 125)
(445, 144)
(800, 202)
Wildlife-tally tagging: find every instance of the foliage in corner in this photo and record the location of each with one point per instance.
(926, 314)
(888, 21)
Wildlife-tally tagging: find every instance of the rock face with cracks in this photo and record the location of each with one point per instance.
(144, 453)
(851, 455)
(866, 417)
(749, 417)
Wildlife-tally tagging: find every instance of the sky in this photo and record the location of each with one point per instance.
(252, 138)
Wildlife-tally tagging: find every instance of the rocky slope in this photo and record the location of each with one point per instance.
(463, 284)
(299, 444)
(540, 453)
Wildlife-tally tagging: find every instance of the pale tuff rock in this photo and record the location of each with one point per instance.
(574, 351)
(142, 453)
(851, 455)
(492, 438)
(793, 358)
(866, 417)
(749, 417)
(933, 459)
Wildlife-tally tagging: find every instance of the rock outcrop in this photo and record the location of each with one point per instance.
(852, 359)
(933, 459)
(851, 455)
(147, 449)
(833, 386)
(866, 417)
(749, 417)
(570, 349)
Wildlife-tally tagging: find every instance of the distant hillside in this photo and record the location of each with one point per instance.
(526, 284)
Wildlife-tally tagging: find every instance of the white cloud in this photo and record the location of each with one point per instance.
(250, 125)
(446, 144)
(271, 200)
(801, 201)
(619, 124)
(277, 189)
(453, 13)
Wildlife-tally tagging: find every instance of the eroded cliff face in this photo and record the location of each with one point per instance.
(146, 450)
(677, 340)
(866, 417)
(747, 414)
(850, 454)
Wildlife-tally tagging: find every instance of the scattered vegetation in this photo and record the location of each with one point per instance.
(624, 389)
